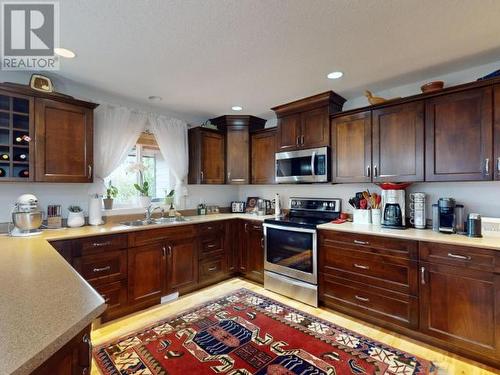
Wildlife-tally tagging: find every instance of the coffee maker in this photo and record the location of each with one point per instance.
(446, 215)
(393, 209)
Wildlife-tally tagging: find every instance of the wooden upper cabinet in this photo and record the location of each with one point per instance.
(237, 129)
(459, 136)
(398, 143)
(206, 156)
(289, 132)
(63, 142)
(496, 111)
(263, 146)
(315, 128)
(351, 148)
(305, 123)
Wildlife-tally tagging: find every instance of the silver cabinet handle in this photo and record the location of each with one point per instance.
(211, 269)
(361, 266)
(102, 269)
(101, 244)
(422, 275)
(169, 250)
(358, 242)
(302, 139)
(228, 176)
(86, 339)
(262, 242)
(487, 166)
(210, 246)
(210, 228)
(201, 175)
(164, 251)
(90, 171)
(457, 256)
(375, 171)
(246, 227)
(297, 141)
(238, 180)
(368, 171)
(362, 299)
(498, 164)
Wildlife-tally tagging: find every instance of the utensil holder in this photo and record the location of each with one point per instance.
(361, 216)
(376, 216)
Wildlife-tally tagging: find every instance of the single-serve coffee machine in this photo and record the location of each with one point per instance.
(446, 212)
(393, 209)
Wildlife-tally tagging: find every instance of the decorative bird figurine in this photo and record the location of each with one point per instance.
(374, 99)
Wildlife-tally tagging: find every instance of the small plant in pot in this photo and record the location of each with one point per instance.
(111, 193)
(143, 189)
(75, 217)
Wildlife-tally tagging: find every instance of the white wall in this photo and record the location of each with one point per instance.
(482, 197)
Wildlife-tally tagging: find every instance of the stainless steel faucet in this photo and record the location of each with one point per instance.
(150, 211)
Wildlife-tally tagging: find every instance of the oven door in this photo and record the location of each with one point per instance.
(291, 252)
(302, 166)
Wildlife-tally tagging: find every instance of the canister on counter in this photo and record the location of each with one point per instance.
(435, 217)
(459, 218)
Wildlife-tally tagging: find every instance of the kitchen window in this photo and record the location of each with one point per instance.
(147, 152)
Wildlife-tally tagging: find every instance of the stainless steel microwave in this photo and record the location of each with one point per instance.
(306, 166)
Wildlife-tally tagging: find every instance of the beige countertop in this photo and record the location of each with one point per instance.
(416, 234)
(44, 302)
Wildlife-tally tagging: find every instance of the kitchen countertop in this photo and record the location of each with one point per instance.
(427, 235)
(44, 302)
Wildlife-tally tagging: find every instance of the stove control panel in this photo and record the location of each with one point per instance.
(316, 204)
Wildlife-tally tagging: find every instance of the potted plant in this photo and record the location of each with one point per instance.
(142, 186)
(169, 198)
(111, 193)
(75, 217)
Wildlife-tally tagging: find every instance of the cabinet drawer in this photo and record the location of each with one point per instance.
(384, 271)
(211, 269)
(103, 268)
(375, 244)
(146, 237)
(211, 228)
(390, 306)
(211, 244)
(114, 294)
(470, 257)
(91, 245)
(252, 225)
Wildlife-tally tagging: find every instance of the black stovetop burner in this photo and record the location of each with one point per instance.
(309, 213)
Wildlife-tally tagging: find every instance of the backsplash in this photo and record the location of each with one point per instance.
(480, 197)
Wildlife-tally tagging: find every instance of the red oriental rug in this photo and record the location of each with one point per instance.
(246, 333)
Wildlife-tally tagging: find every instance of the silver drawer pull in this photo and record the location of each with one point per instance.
(361, 266)
(210, 246)
(362, 299)
(86, 339)
(107, 268)
(101, 244)
(358, 242)
(461, 257)
(422, 275)
(211, 269)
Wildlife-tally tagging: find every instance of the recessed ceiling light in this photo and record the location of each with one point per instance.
(236, 108)
(63, 52)
(335, 75)
(154, 98)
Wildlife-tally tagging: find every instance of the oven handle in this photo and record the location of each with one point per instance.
(291, 229)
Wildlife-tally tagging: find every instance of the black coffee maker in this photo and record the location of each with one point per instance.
(446, 212)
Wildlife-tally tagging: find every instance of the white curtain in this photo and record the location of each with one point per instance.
(172, 138)
(116, 131)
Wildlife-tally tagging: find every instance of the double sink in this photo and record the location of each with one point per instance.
(163, 220)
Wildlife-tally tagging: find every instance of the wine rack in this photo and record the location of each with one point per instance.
(16, 132)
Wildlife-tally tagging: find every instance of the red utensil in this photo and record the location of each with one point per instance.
(363, 204)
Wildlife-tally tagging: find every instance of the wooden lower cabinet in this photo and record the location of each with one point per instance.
(447, 295)
(252, 251)
(73, 358)
(182, 266)
(146, 274)
(461, 307)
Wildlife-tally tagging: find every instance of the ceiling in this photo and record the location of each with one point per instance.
(204, 56)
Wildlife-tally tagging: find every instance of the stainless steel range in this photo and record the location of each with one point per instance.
(291, 248)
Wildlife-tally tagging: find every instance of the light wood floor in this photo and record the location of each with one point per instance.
(447, 363)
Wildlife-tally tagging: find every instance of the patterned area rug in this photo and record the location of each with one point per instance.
(247, 333)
